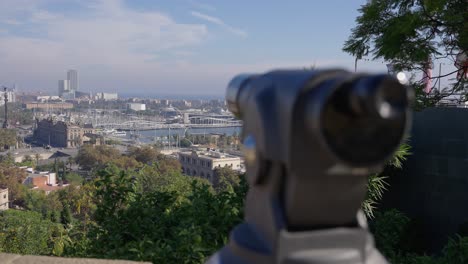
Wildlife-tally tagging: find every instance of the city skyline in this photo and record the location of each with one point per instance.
(177, 47)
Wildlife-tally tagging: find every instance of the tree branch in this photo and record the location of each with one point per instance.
(445, 75)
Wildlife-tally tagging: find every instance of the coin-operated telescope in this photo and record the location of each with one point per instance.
(311, 138)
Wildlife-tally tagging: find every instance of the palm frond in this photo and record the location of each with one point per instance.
(400, 155)
(377, 184)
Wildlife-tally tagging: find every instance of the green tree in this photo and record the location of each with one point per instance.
(7, 138)
(70, 162)
(17, 114)
(185, 143)
(65, 215)
(164, 176)
(79, 199)
(389, 229)
(7, 159)
(145, 154)
(188, 230)
(74, 178)
(90, 157)
(407, 33)
(125, 162)
(113, 142)
(226, 179)
(27, 158)
(26, 232)
(13, 178)
(27, 161)
(37, 157)
(168, 164)
(48, 205)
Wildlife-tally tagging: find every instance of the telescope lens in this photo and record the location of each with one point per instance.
(364, 120)
(233, 91)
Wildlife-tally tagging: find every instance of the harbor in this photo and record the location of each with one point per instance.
(165, 135)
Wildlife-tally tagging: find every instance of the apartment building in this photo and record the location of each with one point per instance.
(204, 163)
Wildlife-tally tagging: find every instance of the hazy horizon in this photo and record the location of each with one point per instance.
(181, 47)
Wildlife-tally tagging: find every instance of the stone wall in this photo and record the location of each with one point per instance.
(433, 186)
(19, 259)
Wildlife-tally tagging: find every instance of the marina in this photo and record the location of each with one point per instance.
(166, 135)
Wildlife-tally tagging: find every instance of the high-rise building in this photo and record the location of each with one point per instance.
(72, 76)
(63, 87)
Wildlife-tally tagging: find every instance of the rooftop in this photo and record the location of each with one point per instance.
(48, 188)
(38, 174)
(210, 154)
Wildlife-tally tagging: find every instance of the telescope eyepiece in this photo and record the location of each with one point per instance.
(378, 95)
(365, 118)
(233, 91)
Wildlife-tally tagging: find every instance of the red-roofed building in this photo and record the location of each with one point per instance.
(44, 181)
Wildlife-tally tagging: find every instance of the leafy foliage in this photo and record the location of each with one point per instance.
(98, 157)
(408, 32)
(47, 205)
(163, 177)
(145, 154)
(7, 137)
(12, 178)
(25, 232)
(376, 184)
(73, 178)
(90, 157)
(392, 231)
(456, 251)
(167, 226)
(226, 179)
(388, 229)
(154, 213)
(185, 143)
(17, 114)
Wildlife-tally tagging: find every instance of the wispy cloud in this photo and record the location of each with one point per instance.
(219, 22)
(11, 22)
(107, 26)
(202, 6)
(125, 43)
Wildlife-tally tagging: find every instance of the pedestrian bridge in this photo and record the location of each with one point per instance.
(153, 125)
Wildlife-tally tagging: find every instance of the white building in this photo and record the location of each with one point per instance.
(46, 98)
(41, 178)
(107, 96)
(136, 106)
(186, 118)
(204, 163)
(72, 77)
(186, 103)
(4, 199)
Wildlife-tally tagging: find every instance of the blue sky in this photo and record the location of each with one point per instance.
(168, 47)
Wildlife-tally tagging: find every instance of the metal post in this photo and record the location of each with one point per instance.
(440, 73)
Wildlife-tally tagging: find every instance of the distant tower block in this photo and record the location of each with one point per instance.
(5, 123)
(63, 87)
(72, 76)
